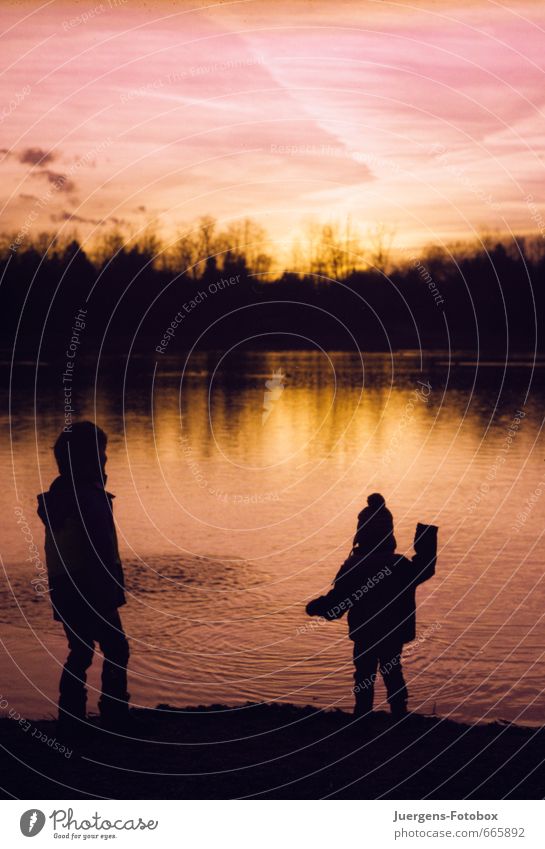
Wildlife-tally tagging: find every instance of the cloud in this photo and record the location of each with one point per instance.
(61, 182)
(36, 156)
(59, 217)
(65, 215)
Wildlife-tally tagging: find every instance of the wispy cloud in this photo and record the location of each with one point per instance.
(61, 182)
(274, 110)
(60, 217)
(36, 156)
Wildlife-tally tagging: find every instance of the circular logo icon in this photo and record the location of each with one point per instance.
(32, 822)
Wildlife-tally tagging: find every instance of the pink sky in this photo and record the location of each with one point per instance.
(426, 116)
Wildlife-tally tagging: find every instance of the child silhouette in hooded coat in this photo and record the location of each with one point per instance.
(85, 576)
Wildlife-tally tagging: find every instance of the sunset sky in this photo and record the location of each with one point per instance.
(428, 116)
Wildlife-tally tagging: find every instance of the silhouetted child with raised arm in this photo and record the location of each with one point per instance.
(85, 576)
(375, 531)
(377, 588)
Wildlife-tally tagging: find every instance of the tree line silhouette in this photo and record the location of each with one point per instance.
(338, 291)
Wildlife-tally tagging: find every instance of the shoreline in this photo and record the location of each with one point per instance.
(32, 667)
(276, 751)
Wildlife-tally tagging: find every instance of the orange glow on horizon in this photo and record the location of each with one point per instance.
(427, 119)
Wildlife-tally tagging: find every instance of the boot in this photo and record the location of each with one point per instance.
(399, 710)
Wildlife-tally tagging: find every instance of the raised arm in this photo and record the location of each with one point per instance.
(425, 557)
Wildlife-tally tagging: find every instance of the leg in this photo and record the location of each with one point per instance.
(72, 689)
(114, 701)
(392, 673)
(366, 663)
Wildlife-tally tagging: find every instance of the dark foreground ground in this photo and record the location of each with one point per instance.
(275, 751)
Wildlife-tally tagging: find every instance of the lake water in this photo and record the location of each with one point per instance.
(237, 501)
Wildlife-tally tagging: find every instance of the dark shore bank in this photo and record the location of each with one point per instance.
(275, 751)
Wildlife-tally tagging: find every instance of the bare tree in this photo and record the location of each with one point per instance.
(108, 245)
(380, 239)
(182, 256)
(246, 242)
(149, 245)
(206, 238)
(328, 250)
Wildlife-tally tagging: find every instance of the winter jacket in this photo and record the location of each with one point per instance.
(378, 591)
(82, 557)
